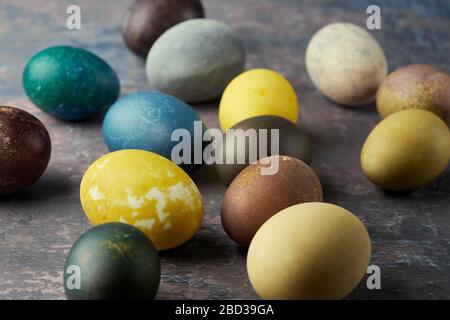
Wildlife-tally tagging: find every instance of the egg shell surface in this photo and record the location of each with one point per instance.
(25, 149)
(146, 20)
(309, 251)
(145, 190)
(195, 60)
(416, 86)
(346, 63)
(257, 92)
(70, 83)
(254, 197)
(406, 150)
(292, 141)
(113, 261)
(146, 121)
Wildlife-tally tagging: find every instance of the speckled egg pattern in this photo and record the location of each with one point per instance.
(145, 190)
(70, 83)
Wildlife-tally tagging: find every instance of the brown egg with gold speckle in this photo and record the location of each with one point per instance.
(24, 149)
(417, 86)
(263, 189)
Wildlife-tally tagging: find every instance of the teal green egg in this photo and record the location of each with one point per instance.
(70, 83)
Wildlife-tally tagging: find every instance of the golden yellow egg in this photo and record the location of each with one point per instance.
(255, 93)
(145, 190)
(308, 251)
(406, 150)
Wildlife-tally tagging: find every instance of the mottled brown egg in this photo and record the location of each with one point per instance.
(417, 86)
(24, 149)
(146, 20)
(256, 195)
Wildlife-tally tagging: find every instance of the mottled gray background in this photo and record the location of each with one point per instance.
(410, 232)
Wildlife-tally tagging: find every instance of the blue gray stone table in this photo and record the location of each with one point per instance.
(410, 232)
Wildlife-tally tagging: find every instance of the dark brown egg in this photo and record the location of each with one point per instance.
(146, 20)
(292, 142)
(255, 196)
(24, 149)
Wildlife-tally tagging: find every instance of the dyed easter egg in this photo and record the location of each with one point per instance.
(145, 190)
(70, 83)
(112, 261)
(236, 144)
(24, 149)
(147, 121)
(255, 93)
(146, 20)
(256, 195)
(407, 150)
(416, 86)
(346, 63)
(309, 251)
(195, 60)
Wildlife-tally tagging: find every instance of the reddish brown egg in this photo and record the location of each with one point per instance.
(254, 196)
(417, 86)
(146, 20)
(24, 149)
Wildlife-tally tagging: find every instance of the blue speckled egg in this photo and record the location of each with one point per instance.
(70, 83)
(146, 121)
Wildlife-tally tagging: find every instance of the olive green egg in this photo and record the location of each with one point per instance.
(407, 150)
(255, 138)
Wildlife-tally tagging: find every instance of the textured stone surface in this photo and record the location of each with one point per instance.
(410, 232)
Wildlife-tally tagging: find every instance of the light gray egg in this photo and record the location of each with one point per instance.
(195, 60)
(346, 63)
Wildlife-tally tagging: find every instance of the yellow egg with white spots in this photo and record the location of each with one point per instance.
(145, 190)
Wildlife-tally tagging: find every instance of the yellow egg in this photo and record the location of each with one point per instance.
(309, 251)
(407, 150)
(145, 190)
(255, 93)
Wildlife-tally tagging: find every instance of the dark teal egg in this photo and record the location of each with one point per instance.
(112, 261)
(70, 83)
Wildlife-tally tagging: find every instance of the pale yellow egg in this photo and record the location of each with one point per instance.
(309, 251)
